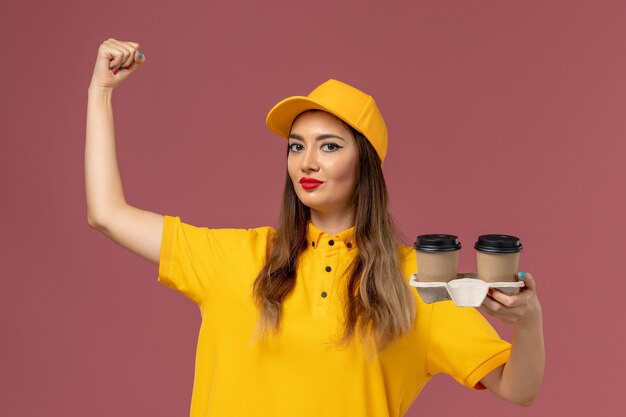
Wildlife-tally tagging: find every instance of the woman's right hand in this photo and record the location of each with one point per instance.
(115, 62)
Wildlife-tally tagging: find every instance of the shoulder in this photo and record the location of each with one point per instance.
(175, 227)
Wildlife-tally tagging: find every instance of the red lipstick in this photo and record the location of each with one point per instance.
(310, 183)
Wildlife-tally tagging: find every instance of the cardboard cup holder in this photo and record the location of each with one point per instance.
(466, 290)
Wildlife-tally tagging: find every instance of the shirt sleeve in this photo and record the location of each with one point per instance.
(463, 344)
(193, 257)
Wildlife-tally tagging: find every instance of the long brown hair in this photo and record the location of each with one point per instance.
(379, 305)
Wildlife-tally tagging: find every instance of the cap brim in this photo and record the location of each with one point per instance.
(281, 116)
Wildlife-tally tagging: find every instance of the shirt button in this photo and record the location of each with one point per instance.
(349, 245)
(328, 269)
(331, 242)
(324, 294)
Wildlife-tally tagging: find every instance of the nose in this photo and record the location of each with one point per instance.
(309, 160)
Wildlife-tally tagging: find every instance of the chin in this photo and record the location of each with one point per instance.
(312, 204)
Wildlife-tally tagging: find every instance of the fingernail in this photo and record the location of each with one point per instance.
(522, 275)
(139, 54)
(115, 71)
(490, 291)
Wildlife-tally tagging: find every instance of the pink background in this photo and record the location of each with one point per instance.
(504, 117)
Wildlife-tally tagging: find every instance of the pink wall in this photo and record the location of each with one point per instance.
(504, 117)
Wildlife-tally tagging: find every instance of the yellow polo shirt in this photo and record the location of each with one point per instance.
(303, 371)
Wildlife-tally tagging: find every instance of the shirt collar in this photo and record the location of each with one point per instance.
(317, 238)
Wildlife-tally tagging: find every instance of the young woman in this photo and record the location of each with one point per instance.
(314, 317)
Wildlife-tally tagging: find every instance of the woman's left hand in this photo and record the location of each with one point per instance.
(522, 309)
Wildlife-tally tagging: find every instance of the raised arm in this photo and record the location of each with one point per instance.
(107, 211)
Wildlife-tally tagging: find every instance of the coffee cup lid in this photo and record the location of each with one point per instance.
(498, 244)
(437, 243)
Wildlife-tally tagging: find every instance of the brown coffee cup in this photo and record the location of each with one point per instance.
(437, 257)
(497, 257)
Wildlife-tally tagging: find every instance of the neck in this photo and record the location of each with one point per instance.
(333, 222)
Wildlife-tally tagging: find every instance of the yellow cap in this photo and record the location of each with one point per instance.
(351, 105)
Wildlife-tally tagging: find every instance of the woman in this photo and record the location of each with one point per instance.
(314, 317)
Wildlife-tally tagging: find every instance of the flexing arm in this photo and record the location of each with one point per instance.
(137, 230)
(519, 379)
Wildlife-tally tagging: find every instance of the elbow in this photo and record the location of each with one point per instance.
(92, 222)
(528, 402)
(524, 401)
(100, 218)
(95, 222)
(104, 219)
(525, 398)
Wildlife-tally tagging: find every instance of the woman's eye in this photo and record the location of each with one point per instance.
(330, 147)
(295, 147)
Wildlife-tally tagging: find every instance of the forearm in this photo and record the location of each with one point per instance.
(523, 373)
(103, 183)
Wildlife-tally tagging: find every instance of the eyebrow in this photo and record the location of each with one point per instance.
(320, 137)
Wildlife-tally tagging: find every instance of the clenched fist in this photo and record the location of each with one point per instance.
(115, 62)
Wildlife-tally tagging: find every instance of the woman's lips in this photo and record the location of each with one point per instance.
(310, 183)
